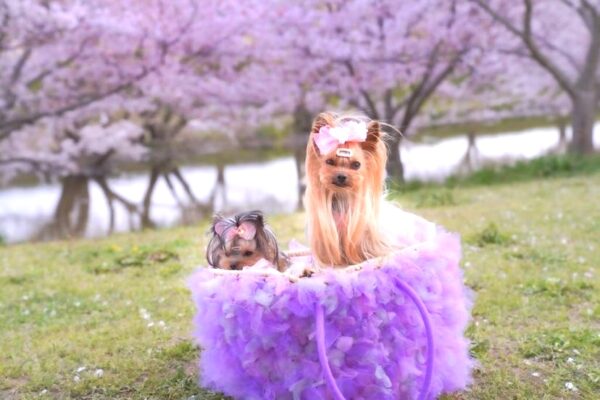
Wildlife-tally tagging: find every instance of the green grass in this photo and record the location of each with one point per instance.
(119, 305)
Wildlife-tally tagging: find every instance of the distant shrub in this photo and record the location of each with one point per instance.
(272, 133)
(15, 279)
(437, 198)
(170, 269)
(491, 235)
(479, 348)
(557, 287)
(181, 351)
(401, 187)
(134, 258)
(543, 167)
(539, 168)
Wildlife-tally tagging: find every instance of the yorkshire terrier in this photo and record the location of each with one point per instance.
(345, 168)
(241, 241)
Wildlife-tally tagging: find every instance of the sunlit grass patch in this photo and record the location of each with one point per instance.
(555, 287)
(535, 256)
(560, 344)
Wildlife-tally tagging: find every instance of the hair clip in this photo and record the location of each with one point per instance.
(343, 152)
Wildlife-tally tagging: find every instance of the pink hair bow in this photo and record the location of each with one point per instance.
(329, 138)
(246, 231)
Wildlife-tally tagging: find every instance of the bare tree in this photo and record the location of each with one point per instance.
(578, 78)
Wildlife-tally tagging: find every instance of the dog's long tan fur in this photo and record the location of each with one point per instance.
(343, 221)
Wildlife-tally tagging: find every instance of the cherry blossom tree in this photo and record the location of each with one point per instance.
(58, 57)
(563, 38)
(86, 85)
(187, 89)
(75, 71)
(497, 86)
(383, 58)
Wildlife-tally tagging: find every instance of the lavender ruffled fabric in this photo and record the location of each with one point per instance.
(257, 332)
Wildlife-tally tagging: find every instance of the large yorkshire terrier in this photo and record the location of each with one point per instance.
(345, 168)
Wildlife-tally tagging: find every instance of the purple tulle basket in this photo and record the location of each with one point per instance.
(259, 330)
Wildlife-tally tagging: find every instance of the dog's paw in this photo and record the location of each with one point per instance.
(307, 272)
(300, 270)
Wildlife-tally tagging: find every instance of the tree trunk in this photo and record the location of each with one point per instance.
(72, 211)
(147, 202)
(109, 203)
(395, 169)
(219, 186)
(171, 187)
(470, 160)
(302, 124)
(562, 145)
(299, 158)
(583, 119)
(562, 131)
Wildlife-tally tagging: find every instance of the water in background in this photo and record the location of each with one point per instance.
(271, 185)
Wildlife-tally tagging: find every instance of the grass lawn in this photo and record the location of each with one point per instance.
(111, 318)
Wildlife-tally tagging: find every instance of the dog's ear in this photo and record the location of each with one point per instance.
(219, 225)
(213, 251)
(323, 119)
(267, 242)
(247, 230)
(259, 218)
(255, 217)
(373, 136)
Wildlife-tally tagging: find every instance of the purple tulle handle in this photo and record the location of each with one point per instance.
(320, 334)
(320, 322)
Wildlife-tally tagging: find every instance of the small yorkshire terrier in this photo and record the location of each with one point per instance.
(345, 168)
(241, 241)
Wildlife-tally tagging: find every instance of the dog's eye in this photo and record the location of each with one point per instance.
(355, 165)
(248, 253)
(330, 161)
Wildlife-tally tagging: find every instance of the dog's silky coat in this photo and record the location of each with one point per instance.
(343, 195)
(241, 241)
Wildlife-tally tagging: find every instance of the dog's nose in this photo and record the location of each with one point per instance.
(341, 178)
(234, 267)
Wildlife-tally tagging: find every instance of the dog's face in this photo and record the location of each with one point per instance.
(241, 241)
(346, 168)
(238, 253)
(343, 170)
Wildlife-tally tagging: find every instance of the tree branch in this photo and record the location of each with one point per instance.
(526, 37)
(373, 113)
(6, 127)
(38, 165)
(109, 202)
(9, 126)
(130, 206)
